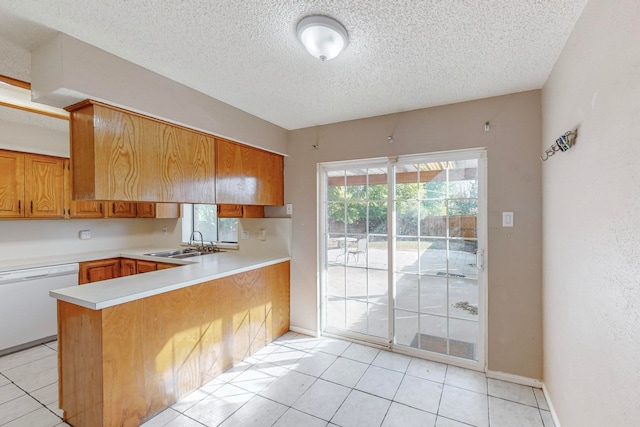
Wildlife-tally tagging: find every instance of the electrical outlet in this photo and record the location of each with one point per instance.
(85, 234)
(164, 231)
(245, 235)
(289, 209)
(262, 234)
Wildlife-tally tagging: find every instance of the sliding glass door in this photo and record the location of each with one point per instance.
(401, 244)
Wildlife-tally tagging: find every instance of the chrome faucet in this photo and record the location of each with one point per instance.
(193, 235)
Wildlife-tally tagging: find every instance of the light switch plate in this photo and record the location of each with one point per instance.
(507, 219)
(85, 234)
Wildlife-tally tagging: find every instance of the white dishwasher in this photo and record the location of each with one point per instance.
(28, 315)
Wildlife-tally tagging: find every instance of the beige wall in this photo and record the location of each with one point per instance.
(591, 221)
(66, 70)
(28, 239)
(514, 184)
(25, 239)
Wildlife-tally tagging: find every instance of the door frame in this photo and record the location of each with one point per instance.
(482, 230)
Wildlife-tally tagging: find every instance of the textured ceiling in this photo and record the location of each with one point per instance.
(402, 55)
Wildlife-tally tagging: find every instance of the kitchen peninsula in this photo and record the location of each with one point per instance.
(132, 346)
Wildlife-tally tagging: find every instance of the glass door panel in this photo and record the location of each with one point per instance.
(436, 280)
(423, 225)
(356, 257)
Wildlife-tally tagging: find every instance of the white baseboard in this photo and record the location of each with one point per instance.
(303, 331)
(550, 405)
(517, 379)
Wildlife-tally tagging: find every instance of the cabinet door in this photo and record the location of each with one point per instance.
(121, 210)
(128, 267)
(94, 271)
(146, 266)
(146, 210)
(165, 265)
(87, 209)
(11, 184)
(230, 211)
(247, 175)
(123, 155)
(79, 209)
(44, 186)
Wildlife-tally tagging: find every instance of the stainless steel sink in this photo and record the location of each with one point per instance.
(178, 253)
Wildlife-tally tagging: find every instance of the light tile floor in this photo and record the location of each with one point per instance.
(299, 381)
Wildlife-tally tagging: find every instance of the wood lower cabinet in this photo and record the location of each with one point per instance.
(122, 365)
(128, 267)
(147, 266)
(165, 265)
(104, 269)
(247, 175)
(95, 271)
(31, 185)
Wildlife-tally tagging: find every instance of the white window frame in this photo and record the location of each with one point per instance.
(188, 225)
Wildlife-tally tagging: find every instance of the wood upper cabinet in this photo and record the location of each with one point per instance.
(31, 185)
(79, 209)
(146, 210)
(247, 175)
(11, 184)
(240, 211)
(158, 210)
(121, 155)
(94, 271)
(121, 210)
(44, 189)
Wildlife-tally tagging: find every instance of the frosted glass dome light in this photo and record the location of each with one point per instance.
(323, 37)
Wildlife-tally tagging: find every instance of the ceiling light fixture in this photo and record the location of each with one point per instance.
(323, 37)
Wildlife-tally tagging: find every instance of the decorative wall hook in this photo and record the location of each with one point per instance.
(563, 143)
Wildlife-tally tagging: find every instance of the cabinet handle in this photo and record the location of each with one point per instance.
(113, 208)
(32, 206)
(100, 208)
(19, 206)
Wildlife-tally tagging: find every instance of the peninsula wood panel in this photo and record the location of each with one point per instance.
(80, 387)
(44, 186)
(121, 155)
(247, 175)
(152, 355)
(11, 184)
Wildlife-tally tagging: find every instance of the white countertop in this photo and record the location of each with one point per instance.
(112, 292)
